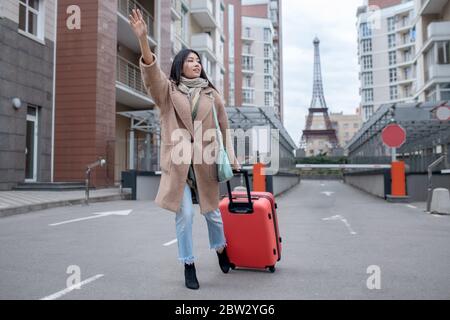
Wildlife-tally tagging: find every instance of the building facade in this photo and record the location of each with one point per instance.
(74, 66)
(403, 52)
(386, 50)
(433, 50)
(262, 55)
(27, 43)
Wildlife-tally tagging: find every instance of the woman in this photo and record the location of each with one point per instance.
(185, 102)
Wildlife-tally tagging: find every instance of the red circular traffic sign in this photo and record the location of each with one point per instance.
(394, 136)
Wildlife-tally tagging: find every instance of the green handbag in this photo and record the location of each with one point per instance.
(224, 170)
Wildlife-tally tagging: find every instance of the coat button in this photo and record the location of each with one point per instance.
(192, 140)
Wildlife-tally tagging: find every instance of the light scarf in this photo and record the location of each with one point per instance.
(192, 87)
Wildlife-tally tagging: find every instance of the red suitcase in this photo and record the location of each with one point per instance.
(251, 229)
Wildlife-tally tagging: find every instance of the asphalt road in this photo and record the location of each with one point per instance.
(334, 239)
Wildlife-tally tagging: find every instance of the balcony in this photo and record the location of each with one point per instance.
(439, 30)
(130, 89)
(175, 10)
(125, 34)
(203, 12)
(202, 42)
(437, 72)
(432, 6)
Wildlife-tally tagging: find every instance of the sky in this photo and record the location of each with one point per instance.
(334, 23)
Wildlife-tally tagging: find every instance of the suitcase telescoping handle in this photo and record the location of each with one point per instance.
(240, 207)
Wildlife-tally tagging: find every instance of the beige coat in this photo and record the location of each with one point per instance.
(175, 113)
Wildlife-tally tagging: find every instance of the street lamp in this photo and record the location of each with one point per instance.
(100, 162)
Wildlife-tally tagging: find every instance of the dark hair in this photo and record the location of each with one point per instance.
(178, 63)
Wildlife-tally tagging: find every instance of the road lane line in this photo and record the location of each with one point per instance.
(170, 243)
(61, 293)
(341, 218)
(411, 206)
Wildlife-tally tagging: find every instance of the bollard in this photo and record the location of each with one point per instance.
(259, 179)
(440, 202)
(398, 179)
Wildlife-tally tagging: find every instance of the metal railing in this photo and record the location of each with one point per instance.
(129, 74)
(126, 6)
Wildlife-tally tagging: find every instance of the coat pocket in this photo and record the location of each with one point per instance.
(166, 157)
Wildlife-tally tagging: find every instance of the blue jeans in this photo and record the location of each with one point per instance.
(184, 220)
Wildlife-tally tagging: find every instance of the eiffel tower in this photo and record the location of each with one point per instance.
(318, 106)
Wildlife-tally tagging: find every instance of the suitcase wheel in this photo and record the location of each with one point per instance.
(272, 269)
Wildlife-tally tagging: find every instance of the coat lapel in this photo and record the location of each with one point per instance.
(182, 107)
(206, 104)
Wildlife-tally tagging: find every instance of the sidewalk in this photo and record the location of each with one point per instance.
(17, 202)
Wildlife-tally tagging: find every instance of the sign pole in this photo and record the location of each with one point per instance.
(394, 154)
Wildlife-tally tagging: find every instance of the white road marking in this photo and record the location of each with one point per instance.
(327, 193)
(61, 293)
(170, 243)
(411, 206)
(322, 185)
(97, 215)
(339, 217)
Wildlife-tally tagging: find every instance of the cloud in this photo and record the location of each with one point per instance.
(334, 22)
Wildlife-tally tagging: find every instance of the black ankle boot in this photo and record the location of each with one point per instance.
(224, 262)
(190, 277)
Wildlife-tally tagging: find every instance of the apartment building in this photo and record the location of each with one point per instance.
(433, 50)
(404, 52)
(386, 51)
(261, 54)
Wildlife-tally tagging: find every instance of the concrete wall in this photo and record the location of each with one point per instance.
(372, 183)
(147, 185)
(417, 185)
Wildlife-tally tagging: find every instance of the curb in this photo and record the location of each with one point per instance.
(63, 203)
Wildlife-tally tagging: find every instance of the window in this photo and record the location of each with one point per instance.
(267, 50)
(267, 35)
(221, 45)
(267, 66)
(268, 99)
(247, 48)
(391, 40)
(29, 16)
(367, 62)
(368, 111)
(367, 95)
(248, 81)
(247, 96)
(268, 83)
(366, 45)
(247, 32)
(393, 92)
(367, 78)
(355, 126)
(393, 75)
(184, 23)
(392, 58)
(247, 63)
(443, 49)
(365, 30)
(391, 24)
(221, 17)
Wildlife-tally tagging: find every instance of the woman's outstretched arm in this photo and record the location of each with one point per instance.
(155, 81)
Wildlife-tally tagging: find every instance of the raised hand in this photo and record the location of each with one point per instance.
(138, 24)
